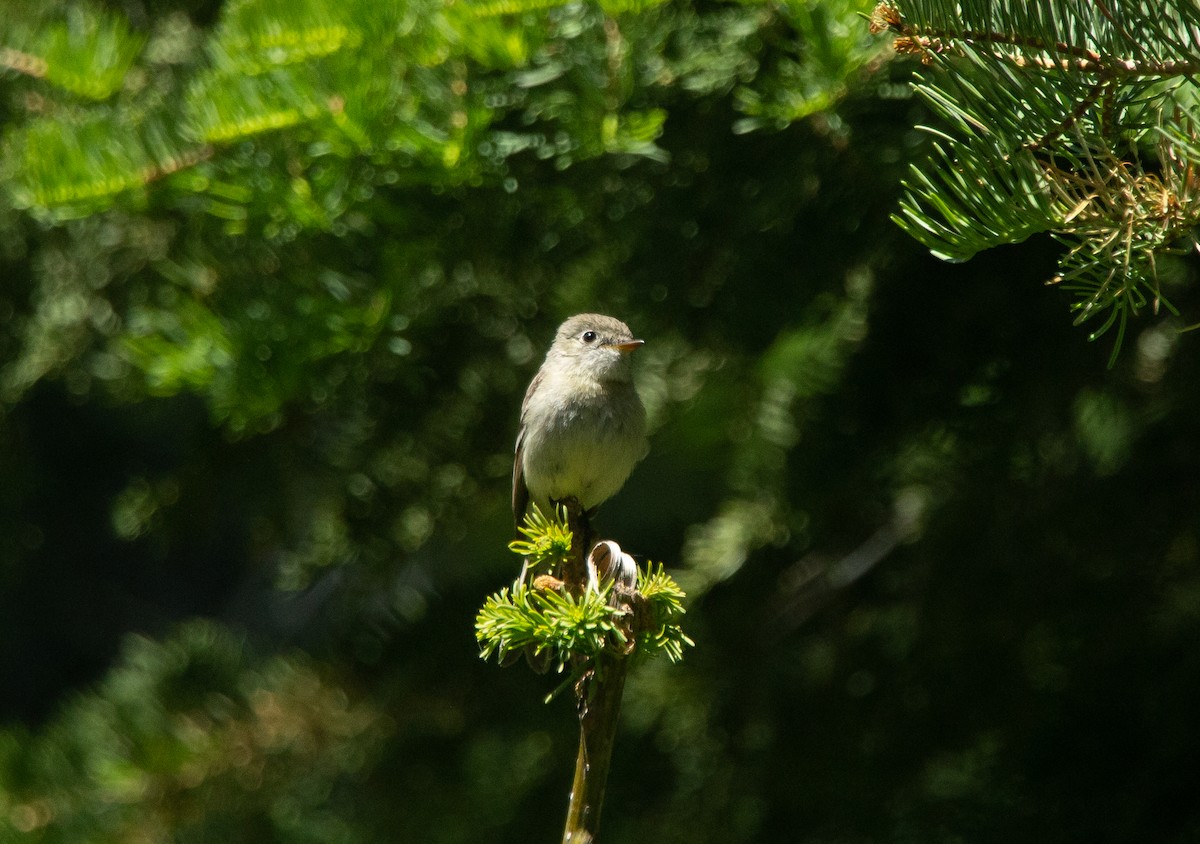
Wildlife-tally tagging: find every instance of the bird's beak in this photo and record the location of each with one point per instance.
(626, 348)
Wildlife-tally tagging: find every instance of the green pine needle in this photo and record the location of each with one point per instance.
(664, 600)
(547, 540)
(571, 628)
(1056, 119)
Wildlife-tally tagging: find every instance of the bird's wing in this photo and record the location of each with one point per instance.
(520, 492)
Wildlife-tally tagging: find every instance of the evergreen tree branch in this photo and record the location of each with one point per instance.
(583, 618)
(87, 52)
(1064, 119)
(25, 63)
(590, 608)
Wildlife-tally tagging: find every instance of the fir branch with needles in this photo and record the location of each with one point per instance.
(587, 608)
(1059, 118)
(548, 619)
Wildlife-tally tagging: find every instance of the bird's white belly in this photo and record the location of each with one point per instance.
(583, 456)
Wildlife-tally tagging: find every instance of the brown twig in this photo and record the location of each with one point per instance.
(599, 696)
(1059, 55)
(574, 572)
(598, 699)
(1071, 120)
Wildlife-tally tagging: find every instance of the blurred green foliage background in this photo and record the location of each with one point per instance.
(276, 275)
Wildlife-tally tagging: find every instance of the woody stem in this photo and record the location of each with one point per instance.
(598, 699)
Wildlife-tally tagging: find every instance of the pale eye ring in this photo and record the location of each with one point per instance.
(589, 336)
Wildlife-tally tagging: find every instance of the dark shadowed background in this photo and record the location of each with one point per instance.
(943, 565)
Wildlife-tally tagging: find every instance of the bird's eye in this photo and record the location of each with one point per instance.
(589, 336)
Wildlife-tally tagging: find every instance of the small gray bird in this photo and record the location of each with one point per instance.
(583, 427)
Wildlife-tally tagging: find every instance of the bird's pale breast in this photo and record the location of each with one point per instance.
(583, 450)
